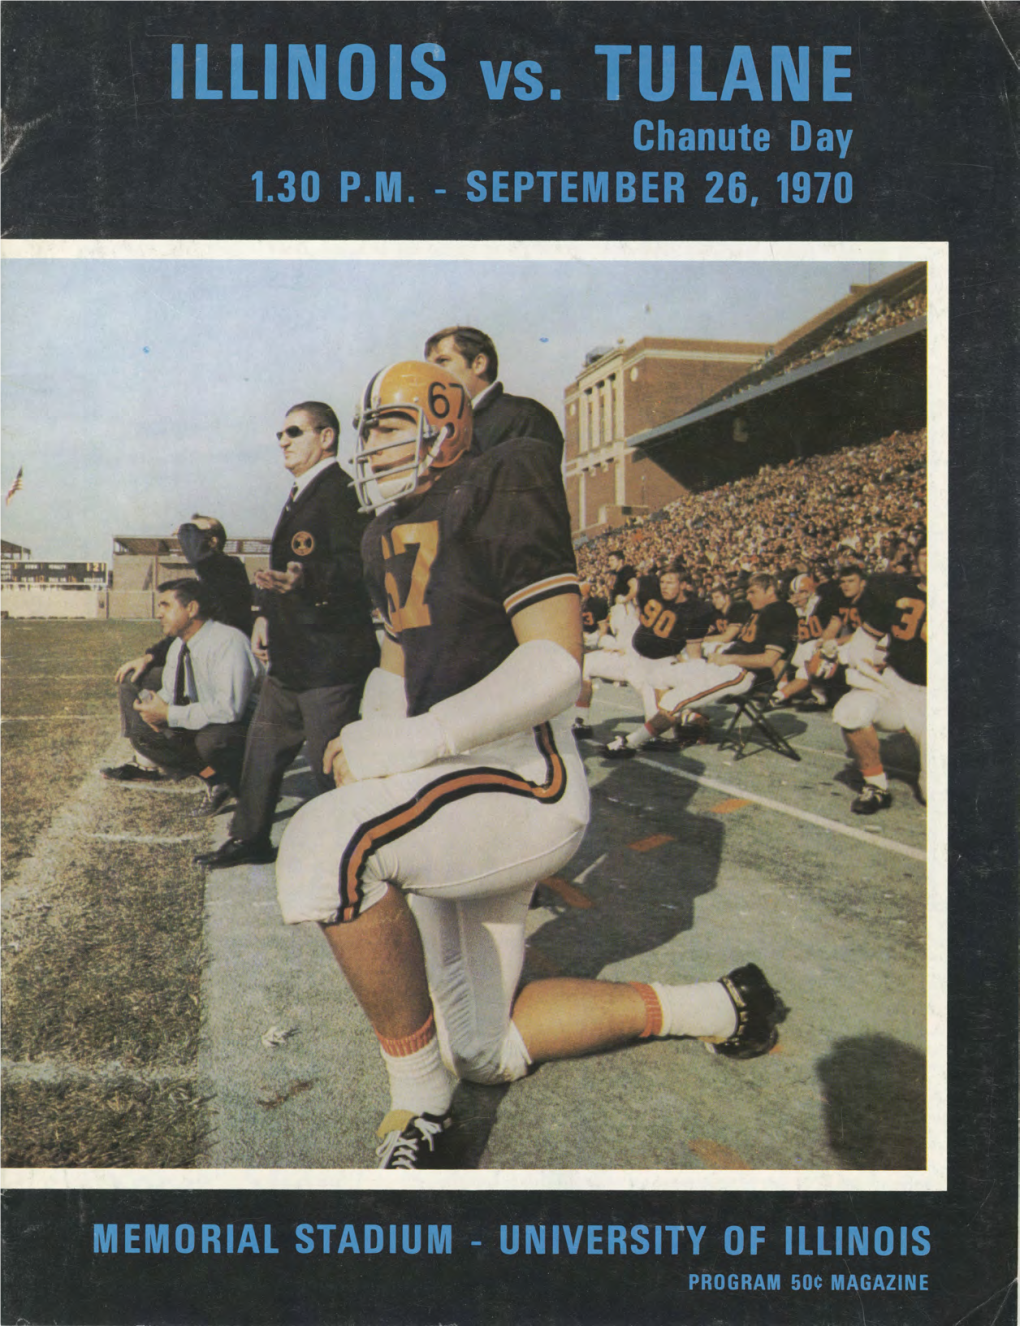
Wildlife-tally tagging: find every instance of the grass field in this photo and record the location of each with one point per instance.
(102, 938)
(137, 993)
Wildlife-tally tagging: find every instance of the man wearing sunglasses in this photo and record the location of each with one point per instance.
(314, 631)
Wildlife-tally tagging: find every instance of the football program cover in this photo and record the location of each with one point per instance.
(567, 354)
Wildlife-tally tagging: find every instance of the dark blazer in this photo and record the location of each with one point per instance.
(502, 416)
(321, 633)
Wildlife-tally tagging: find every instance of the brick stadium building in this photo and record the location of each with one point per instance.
(649, 422)
(623, 392)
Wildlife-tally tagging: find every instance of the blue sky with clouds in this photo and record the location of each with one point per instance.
(136, 391)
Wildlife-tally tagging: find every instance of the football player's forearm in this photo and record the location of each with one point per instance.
(756, 661)
(538, 680)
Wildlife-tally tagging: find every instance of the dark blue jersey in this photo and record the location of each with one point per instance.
(666, 625)
(621, 583)
(450, 568)
(775, 625)
(594, 610)
(736, 614)
(823, 607)
(898, 606)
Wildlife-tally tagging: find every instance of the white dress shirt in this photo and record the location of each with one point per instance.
(220, 673)
(477, 401)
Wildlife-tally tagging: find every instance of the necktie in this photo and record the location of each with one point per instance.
(293, 497)
(181, 679)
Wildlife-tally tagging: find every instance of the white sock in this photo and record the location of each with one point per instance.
(878, 780)
(704, 1009)
(419, 1082)
(639, 736)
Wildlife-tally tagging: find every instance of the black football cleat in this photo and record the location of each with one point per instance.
(133, 773)
(871, 800)
(618, 749)
(757, 1008)
(664, 745)
(693, 729)
(582, 731)
(412, 1141)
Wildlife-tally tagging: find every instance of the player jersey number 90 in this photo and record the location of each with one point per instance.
(658, 619)
(409, 609)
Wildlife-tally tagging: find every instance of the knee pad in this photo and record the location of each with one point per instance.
(494, 1064)
(856, 709)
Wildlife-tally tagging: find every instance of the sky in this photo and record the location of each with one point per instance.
(137, 391)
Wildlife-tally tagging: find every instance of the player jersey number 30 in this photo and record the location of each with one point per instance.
(413, 610)
(913, 619)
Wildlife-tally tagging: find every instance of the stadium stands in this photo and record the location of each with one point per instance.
(868, 501)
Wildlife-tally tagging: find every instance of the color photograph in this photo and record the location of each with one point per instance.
(709, 426)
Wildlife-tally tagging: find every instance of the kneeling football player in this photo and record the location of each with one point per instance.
(461, 786)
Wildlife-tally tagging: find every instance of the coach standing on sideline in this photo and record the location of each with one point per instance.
(314, 631)
(470, 355)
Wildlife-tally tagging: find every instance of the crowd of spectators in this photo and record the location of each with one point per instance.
(866, 503)
(878, 316)
(868, 322)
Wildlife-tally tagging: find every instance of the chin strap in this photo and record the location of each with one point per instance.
(539, 680)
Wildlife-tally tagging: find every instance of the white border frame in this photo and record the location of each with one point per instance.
(934, 1178)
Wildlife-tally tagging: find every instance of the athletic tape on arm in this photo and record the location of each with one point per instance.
(537, 681)
(384, 695)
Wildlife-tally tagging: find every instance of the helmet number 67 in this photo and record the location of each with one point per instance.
(439, 402)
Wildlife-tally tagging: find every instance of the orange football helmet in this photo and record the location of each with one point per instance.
(438, 406)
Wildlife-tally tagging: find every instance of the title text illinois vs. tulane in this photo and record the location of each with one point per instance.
(672, 89)
(242, 71)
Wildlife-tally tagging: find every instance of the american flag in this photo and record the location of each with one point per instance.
(15, 486)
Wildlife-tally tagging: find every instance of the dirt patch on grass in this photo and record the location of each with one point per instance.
(158, 811)
(112, 968)
(123, 1124)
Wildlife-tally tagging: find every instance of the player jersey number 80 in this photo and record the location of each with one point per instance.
(413, 611)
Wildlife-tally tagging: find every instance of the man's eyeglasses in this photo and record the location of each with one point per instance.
(292, 430)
